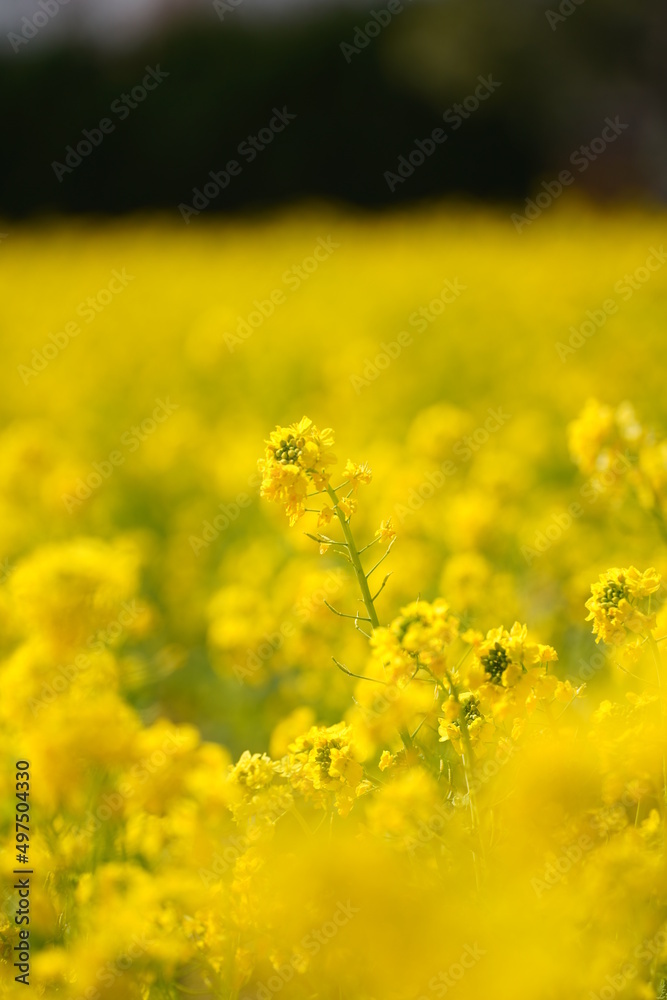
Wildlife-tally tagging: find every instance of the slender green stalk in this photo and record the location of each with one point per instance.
(355, 560)
(467, 759)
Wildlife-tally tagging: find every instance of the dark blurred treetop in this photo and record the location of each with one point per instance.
(362, 96)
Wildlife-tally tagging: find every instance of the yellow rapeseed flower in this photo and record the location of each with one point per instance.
(620, 604)
(297, 458)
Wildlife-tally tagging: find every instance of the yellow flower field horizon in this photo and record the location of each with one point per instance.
(257, 770)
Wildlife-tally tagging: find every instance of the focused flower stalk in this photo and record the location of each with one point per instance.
(297, 467)
(427, 677)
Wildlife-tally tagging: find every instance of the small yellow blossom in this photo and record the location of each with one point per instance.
(589, 433)
(325, 516)
(324, 760)
(357, 475)
(297, 458)
(420, 635)
(480, 729)
(504, 656)
(347, 506)
(386, 532)
(508, 672)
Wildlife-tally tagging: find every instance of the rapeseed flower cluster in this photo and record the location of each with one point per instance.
(298, 457)
(602, 438)
(620, 604)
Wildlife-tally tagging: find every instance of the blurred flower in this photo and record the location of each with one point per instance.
(618, 604)
(386, 531)
(357, 475)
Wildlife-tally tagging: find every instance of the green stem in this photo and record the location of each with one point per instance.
(468, 757)
(467, 760)
(355, 560)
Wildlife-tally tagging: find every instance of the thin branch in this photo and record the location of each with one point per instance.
(625, 670)
(405, 738)
(355, 560)
(340, 548)
(342, 614)
(463, 658)
(381, 559)
(570, 702)
(419, 727)
(423, 680)
(324, 539)
(299, 818)
(358, 676)
(358, 626)
(374, 542)
(376, 595)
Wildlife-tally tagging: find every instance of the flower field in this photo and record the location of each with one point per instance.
(332, 562)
